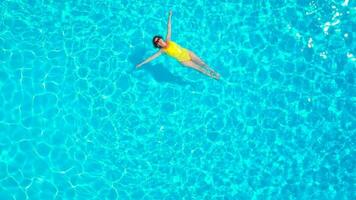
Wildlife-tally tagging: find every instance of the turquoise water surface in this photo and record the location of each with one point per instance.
(78, 121)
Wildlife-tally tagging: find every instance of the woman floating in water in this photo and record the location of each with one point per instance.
(184, 56)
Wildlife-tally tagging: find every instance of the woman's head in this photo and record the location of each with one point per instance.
(156, 40)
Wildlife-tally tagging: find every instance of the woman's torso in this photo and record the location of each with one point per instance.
(176, 51)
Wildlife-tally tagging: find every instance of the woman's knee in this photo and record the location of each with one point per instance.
(190, 64)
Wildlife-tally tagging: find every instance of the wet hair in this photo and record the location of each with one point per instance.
(153, 41)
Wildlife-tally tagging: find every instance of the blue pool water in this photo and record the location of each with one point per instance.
(77, 121)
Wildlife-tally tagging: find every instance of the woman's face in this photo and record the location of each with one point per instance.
(160, 42)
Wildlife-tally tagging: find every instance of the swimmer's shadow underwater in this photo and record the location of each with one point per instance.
(158, 71)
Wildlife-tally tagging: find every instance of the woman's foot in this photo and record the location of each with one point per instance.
(216, 75)
(211, 72)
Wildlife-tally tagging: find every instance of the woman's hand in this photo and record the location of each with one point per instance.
(170, 13)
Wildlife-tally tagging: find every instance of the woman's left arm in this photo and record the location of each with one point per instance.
(168, 37)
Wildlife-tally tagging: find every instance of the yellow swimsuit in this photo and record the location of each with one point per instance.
(177, 52)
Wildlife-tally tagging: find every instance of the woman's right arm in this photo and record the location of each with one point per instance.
(168, 37)
(149, 59)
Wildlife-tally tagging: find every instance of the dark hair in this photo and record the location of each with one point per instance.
(153, 41)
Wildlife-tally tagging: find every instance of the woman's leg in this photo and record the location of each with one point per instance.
(200, 62)
(193, 65)
(196, 59)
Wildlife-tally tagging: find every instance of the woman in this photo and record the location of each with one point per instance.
(184, 56)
